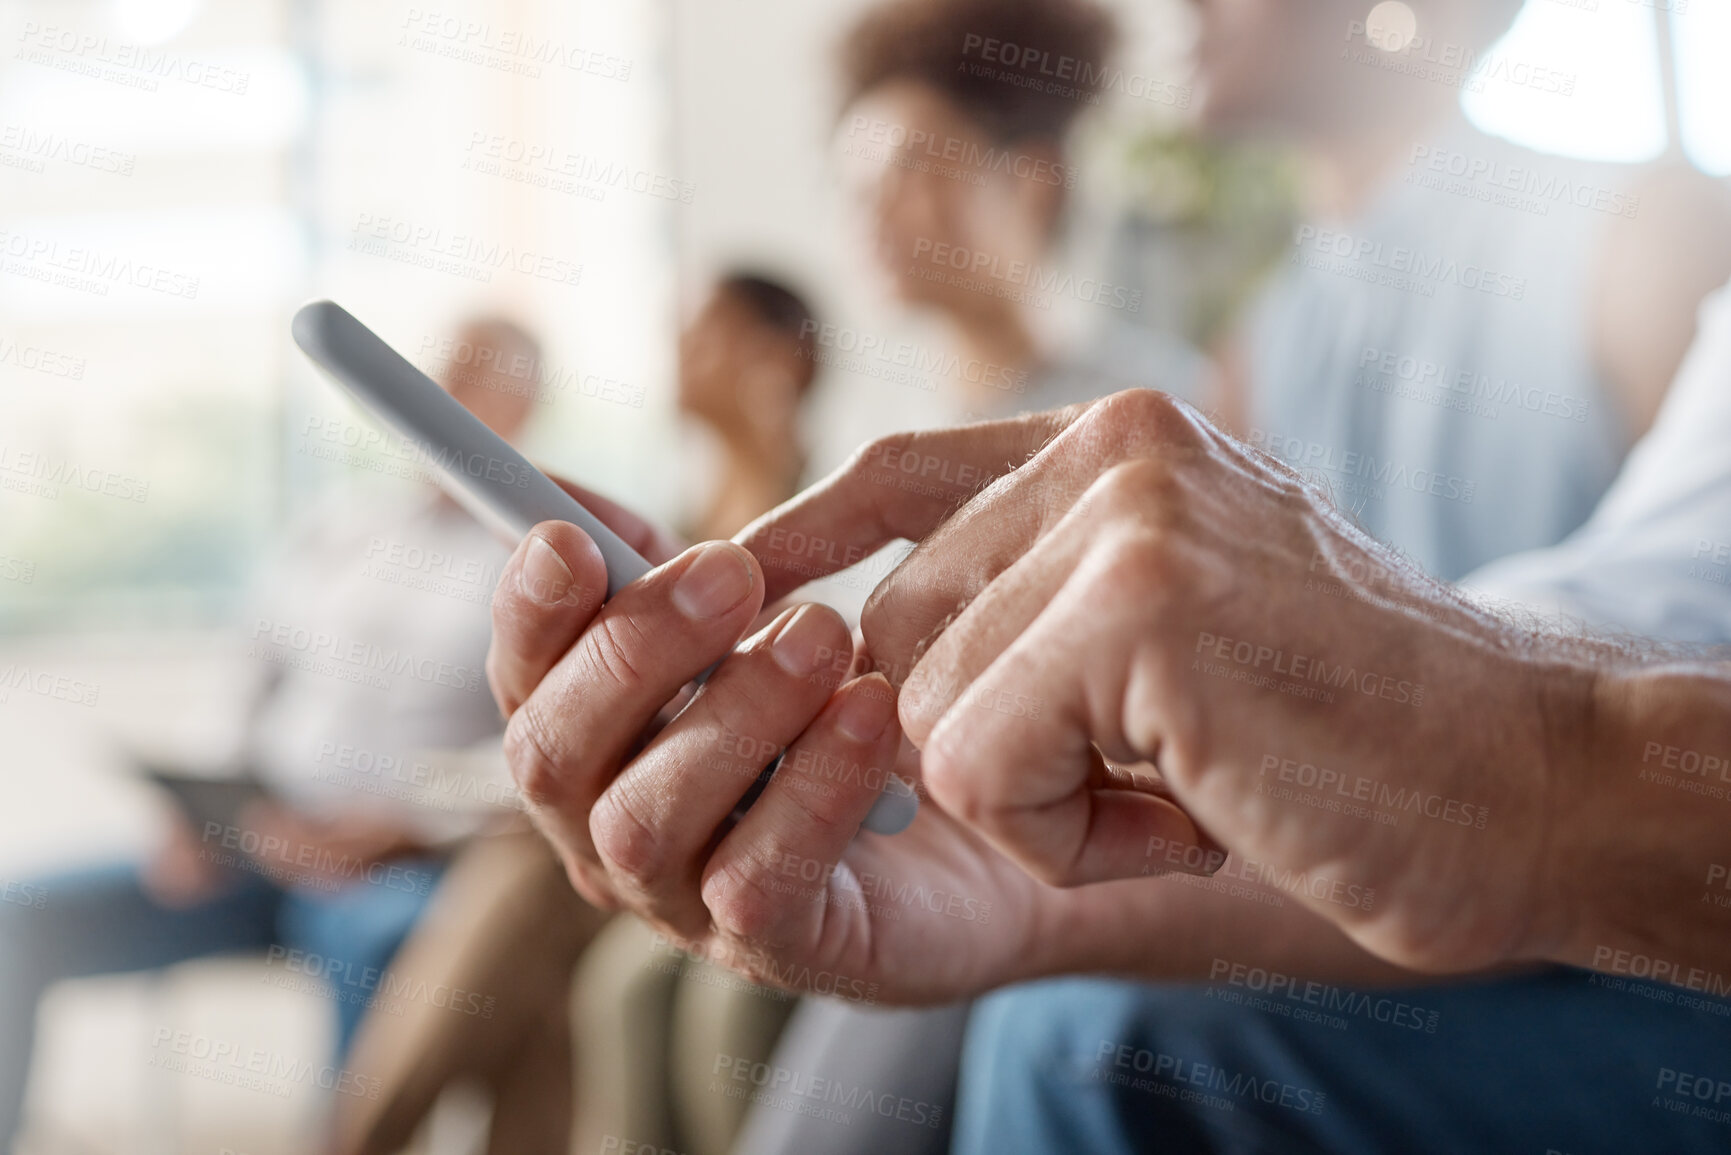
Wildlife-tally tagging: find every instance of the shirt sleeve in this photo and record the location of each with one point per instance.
(1655, 557)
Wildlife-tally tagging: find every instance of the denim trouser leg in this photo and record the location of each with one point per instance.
(350, 935)
(100, 921)
(1560, 1060)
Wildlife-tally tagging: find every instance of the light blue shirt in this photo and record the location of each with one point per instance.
(1430, 361)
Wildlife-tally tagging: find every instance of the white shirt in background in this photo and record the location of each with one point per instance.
(371, 632)
(1654, 559)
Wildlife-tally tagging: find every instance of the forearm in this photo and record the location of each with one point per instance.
(1635, 841)
(1641, 865)
(1183, 928)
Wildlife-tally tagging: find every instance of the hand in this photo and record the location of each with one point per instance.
(337, 850)
(1132, 583)
(639, 795)
(180, 874)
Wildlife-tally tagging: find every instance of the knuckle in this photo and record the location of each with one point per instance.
(1144, 416)
(1140, 555)
(818, 823)
(968, 798)
(870, 467)
(583, 880)
(741, 904)
(1143, 488)
(910, 610)
(533, 754)
(888, 624)
(1142, 518)
(609, 652)
(735, 737)
(923, 698)
(877, 621)
(629, 844)
(1141, 572)
(744, 703)
(950, 781)
(866, 462)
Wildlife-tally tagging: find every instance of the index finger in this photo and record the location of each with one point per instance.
(901, 486)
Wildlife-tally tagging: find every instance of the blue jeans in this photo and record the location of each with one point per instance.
(1560, 1061)
(100, 921)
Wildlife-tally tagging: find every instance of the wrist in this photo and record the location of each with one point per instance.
(1634, 853)
(1574, 705)
(1130, 926)
(1065, 935)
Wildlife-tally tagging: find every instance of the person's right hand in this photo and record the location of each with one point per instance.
(1121, 580)
(639, 803)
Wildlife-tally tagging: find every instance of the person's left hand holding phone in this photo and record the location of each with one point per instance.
(640, 801)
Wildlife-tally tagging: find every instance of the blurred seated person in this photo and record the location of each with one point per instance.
(370, 632)
(963, 174)
(746, 363)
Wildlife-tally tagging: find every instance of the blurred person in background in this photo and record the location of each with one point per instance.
(1513, 329)
(370, 628)
(955, 146)
(746, 364)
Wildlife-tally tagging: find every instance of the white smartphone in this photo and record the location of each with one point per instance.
(481, 471)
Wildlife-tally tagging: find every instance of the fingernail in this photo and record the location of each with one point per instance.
(868, 710)
(799, 648)
(715, 581)
(545, 577)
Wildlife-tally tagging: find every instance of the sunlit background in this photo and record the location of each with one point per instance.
(206, 165)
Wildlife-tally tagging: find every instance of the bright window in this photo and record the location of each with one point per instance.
(1704, 83)
(1611, 51)
(176, 176)
(1608, 103)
